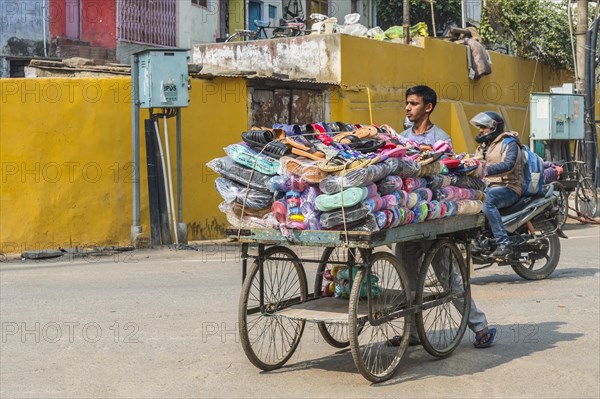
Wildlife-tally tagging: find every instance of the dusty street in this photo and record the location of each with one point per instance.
(163, 323)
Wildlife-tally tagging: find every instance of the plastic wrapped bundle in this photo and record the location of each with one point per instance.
(375, 203)
(336, 218)
(413, 199)
(424, 193)
(389, 184)
(438, 181)
(231, 170)
(267, 221)
(451, 208)
(468, 207)
(468, 182)
(308, 169)
(403, 167)
(243, 155)
(433, 169)
(421, 210)
(412, 183)
(307, 205)
(384, 218)
(286, 183)
(240, 210)
(368, 224)
(234, 192)
(334, 183)
(347, 198)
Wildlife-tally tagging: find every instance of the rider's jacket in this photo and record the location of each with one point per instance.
(503, 160)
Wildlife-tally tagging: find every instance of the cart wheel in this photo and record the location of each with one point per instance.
(444, 297)
(373, 354)
(586, 197)
(563, 204)
(269, 341)
(335, 334)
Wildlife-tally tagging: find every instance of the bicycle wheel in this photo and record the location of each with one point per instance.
(563, 204)
(335, 334)
(444, 295)
(242, 36)
(586, 197)
(269, 341)
(374, 356)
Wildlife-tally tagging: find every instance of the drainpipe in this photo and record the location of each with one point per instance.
(44, 26)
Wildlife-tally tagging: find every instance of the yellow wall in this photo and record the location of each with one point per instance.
(388, 69)
(65, 144)
(66, 152)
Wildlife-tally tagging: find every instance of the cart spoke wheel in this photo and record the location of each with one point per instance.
(374, 356)
(586, 198)
(269, 341)
(443, 292)
(335, 334)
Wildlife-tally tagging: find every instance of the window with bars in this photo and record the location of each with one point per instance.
(148, 22)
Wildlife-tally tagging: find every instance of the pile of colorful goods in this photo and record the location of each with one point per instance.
(338, 176)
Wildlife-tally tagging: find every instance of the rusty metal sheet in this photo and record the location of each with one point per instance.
(307, 106)
(284, 105)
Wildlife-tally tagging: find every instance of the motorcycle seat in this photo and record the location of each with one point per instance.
(519, 205)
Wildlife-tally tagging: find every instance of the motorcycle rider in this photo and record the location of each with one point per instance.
(501, 152)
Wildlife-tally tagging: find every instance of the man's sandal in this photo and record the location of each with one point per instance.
(488, 335)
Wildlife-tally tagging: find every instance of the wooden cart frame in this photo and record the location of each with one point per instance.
(377, 319)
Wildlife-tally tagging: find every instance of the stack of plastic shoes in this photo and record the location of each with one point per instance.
(346, 198)
(348, 215)
(247, 157)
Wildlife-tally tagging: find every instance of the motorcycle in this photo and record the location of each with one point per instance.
(533, 225)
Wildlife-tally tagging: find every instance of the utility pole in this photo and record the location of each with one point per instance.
(582, 27)
(406, 21)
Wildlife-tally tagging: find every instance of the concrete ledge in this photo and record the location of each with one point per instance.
(303, 57)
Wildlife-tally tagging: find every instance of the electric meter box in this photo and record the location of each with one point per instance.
(163, 78)
(556, 116)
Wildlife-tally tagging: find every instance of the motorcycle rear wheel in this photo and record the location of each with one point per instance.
(528, 270)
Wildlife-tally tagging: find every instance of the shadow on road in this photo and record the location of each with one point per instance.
(558, 274)
(512, 342)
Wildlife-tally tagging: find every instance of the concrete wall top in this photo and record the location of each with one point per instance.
(304, 57)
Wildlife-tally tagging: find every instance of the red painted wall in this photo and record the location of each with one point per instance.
(98, 21)
(58, 17)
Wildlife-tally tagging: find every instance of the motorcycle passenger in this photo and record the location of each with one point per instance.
(501, 152)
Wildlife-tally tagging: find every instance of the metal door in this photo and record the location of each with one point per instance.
(254, 12)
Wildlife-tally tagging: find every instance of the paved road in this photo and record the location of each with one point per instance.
(163, 323)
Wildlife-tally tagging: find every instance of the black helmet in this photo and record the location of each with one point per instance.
(489, 119)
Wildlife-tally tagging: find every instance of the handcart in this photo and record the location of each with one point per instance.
(376, 319)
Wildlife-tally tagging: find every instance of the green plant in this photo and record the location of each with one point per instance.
(447, 13)
(530, 29)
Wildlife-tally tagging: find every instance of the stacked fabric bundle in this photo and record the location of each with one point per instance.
(336, 176)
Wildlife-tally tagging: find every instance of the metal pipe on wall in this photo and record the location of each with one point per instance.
(44, 27)
(136, 227)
